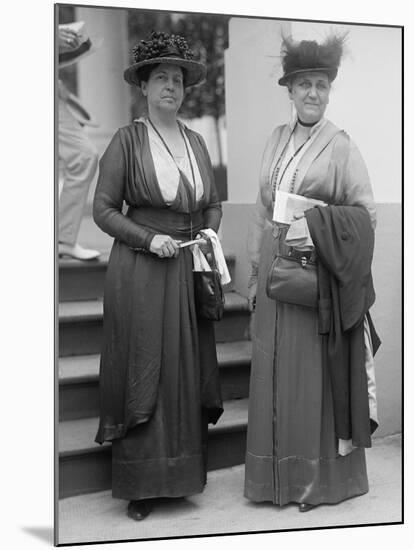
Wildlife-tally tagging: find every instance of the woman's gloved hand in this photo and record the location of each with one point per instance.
(205, 249)
(298, 234)
(164, 246)
(68, 39)
(252, 290)
(251, 299)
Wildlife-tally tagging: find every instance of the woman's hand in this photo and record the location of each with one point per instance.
(164, 246)
(251, 296)
(298, 215)
(252, 288)
(205, 249)
(68, 39)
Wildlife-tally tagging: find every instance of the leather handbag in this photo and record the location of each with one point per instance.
(209, 295)
(293, 279)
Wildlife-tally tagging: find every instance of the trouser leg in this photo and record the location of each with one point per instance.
(79, 160)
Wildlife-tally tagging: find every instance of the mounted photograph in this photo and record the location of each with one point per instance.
(228, 274)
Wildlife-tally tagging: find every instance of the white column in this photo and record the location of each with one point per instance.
(101, 86)
(255, 103)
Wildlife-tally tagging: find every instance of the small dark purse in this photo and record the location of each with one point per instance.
(209, 295)
(293, 279)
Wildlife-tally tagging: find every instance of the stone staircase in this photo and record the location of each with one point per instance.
(85, 466)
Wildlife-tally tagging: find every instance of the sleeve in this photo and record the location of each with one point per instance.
(212, 212)
(260, 213)
(255, 233)
(357, 185)
(109, 199)
(298, 235)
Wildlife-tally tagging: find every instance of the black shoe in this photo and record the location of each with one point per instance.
(303, 507)
(138, 509)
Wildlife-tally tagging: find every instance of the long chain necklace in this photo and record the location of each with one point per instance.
(276, 169)
(193, 200)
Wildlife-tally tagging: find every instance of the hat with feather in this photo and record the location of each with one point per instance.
(309, 56)
(165, 48)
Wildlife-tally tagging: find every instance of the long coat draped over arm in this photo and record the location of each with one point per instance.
(344, 242)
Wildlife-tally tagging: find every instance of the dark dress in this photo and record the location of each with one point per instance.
(158, 375)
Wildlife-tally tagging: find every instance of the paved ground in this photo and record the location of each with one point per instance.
(223, 509)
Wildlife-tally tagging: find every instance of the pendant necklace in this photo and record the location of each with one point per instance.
(193, 193)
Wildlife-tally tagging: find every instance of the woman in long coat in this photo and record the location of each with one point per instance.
(158, 375)
(295, 453)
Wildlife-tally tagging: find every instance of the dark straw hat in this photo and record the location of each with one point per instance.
(309, 56)
(164, 48)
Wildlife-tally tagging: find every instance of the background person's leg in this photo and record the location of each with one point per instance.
(79, 160)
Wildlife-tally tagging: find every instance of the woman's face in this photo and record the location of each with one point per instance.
(310, 94)
(165, 88)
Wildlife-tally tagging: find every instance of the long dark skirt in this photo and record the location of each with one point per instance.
(155, 351)
(291, 444)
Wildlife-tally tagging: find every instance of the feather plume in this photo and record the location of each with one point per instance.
(308, 54)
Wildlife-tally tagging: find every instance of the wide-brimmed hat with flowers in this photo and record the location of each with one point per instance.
(309, 56)
(164, 48)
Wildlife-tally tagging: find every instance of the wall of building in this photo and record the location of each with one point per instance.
(366, 102)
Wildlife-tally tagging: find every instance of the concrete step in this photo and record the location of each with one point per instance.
(85, 467)
(80, 324)
(82, 280)
(79, 379)
(85, 280)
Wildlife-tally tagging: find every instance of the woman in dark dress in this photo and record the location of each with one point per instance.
(158, 375)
